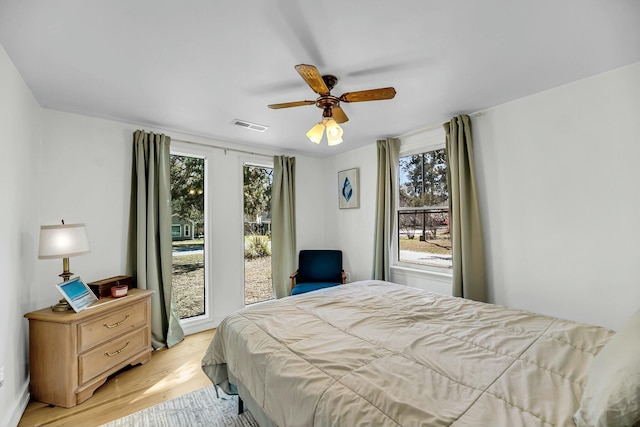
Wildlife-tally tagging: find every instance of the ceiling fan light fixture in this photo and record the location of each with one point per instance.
(330, 105)
(334, 132)
(316, 132)
(333, 128)
(333, 141)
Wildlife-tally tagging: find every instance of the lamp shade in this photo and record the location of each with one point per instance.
(334, 132)
(315, 133)
(333, 141)
(63, 241)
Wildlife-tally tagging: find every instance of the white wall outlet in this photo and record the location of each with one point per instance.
(348, 275)
(1, 376)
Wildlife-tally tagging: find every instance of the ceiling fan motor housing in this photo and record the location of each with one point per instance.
(327, 101)
(330, 81)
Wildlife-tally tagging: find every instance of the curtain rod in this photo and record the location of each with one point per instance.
(219, 147)
(436, 126)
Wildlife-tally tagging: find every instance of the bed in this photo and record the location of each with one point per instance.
(376, 353)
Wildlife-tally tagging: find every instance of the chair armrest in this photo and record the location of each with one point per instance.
(293, 279)
(344, 277)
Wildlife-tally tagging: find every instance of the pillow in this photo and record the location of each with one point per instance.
(612, 394)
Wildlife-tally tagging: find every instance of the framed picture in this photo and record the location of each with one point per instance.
(77, 293)
(348, 189)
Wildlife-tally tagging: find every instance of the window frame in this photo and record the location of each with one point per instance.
(416, 143)
(195, 324)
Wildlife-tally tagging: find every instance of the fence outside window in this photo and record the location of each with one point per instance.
(423, 236)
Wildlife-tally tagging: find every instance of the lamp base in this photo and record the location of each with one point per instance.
(66, 274)
(63, 305)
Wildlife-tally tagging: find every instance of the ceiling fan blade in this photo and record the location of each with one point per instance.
(369, 95)
(339, 115)
(312, 76)
(291, 104)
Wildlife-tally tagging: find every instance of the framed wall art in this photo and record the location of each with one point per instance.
(348, 189)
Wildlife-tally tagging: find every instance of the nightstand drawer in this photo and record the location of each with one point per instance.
(108, 355)
(111, 325)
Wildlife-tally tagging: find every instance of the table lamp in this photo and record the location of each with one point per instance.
(63, 241)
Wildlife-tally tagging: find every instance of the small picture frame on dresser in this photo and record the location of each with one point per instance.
(77, 293)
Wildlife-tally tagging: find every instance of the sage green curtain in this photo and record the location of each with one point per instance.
(150, 258)
(469, 275)
(283, 224)
(387, 188)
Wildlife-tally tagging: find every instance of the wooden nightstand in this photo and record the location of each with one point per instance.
(72, 354)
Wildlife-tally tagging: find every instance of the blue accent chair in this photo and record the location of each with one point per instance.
(317, 269)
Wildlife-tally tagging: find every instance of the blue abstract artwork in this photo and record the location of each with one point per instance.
(348, 196)
(347, 189)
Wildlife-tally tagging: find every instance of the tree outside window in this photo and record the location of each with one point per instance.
(258, 181)
(423, 211)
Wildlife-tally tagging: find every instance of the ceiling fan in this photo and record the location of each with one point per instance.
(332, 114)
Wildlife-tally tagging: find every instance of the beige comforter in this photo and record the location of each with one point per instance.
(381, 354)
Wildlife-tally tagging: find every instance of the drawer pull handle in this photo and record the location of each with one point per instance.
(117, 351)
(113, 325)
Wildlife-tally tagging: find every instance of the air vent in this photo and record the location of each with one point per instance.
(249, 125)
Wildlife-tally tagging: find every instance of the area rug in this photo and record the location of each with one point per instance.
(198, 408)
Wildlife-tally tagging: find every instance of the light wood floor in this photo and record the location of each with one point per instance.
(168, 374)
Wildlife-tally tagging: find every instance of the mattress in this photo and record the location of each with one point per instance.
(375, 353)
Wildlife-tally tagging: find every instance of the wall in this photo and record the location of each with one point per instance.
(310, 203)
(351, 230)
(19, 179)
(86, 178)
(558, 186)
(558, 180)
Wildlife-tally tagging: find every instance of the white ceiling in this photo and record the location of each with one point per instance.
(196, 65)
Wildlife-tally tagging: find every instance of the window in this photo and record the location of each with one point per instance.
(257, 233)
(187, 209)
(423, 237)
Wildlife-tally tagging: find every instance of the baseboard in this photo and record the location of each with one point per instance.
(192, 326)
(21, 405)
